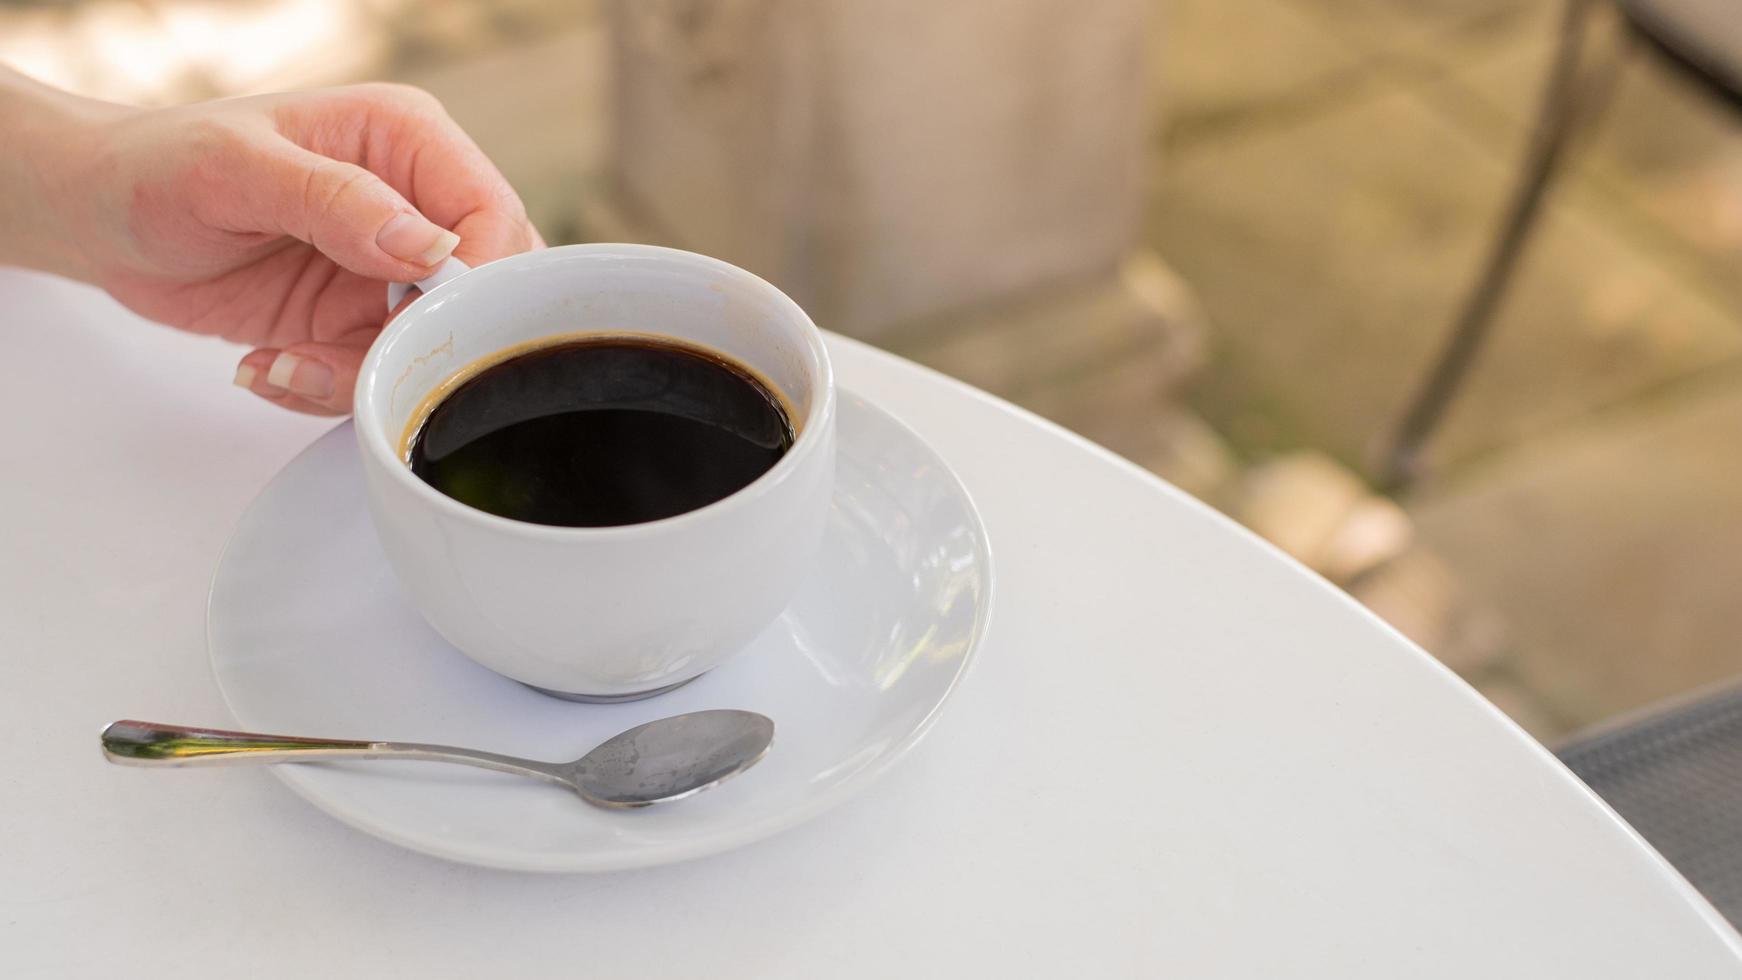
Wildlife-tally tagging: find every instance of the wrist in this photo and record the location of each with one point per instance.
(47, 188)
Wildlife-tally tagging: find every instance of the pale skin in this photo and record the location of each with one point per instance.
(272, 221)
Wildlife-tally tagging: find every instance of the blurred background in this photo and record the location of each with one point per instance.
(1229, 239)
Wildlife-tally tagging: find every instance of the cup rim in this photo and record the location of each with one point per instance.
(377, 444)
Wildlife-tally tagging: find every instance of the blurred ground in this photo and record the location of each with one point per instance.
(1326, 174)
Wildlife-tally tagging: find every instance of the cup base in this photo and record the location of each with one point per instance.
(613, 698)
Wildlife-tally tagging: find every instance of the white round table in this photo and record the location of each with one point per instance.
(1179, 753)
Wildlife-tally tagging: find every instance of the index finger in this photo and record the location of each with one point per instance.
(404, 136)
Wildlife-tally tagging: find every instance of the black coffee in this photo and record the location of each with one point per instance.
(601, 432)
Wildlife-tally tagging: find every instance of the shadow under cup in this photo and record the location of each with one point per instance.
(610, 613)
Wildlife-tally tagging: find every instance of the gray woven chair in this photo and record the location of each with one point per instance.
(1676, 776)
(1699, 37)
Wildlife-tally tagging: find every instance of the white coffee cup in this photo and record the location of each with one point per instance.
(610, 613)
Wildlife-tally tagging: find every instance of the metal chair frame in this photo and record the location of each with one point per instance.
(1572, 97)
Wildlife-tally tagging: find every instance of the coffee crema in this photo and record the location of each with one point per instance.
(601, 431)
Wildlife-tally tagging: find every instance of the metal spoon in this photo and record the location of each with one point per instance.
(660, 761)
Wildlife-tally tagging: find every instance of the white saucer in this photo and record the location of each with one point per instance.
(310, 635)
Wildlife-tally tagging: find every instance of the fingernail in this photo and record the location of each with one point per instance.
(245, 375)
(305, 377)
(410, 238)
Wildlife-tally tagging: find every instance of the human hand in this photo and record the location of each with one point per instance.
(273, 221)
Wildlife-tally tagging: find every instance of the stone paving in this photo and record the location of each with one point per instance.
(1326, 174)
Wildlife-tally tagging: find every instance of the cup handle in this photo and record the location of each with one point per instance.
(450, 269)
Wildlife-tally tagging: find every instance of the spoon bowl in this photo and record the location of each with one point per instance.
(672, 758)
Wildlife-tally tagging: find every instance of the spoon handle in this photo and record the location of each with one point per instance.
(144, 743)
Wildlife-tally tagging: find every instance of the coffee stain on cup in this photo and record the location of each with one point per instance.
(417, 362)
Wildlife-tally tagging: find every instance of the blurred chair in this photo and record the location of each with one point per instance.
(1700, 37)
(1675, 774)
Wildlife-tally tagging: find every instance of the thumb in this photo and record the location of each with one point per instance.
(348, 213)
(311, 377)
